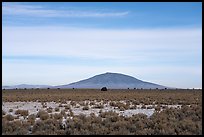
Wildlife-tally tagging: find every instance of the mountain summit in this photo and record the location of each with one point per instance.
(112, 81)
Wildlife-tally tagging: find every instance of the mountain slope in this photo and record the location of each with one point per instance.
(112, 81)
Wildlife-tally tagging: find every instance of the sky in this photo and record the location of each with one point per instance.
(58, 43)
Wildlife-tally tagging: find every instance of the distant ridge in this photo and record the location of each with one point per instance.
(22, 86)
(112, 81)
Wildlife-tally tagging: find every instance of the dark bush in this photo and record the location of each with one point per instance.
(104, 89)
(86, 108)
(3, 113)
(10, 110)
(57, 109)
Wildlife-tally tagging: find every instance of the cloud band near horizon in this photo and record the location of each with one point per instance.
(152, 54)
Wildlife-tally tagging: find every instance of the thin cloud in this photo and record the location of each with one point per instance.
(157, 55)
(39, 11)
(101, 44)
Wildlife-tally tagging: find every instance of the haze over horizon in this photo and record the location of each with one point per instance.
(59, 43)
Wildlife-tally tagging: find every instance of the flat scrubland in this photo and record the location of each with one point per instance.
(93, 112)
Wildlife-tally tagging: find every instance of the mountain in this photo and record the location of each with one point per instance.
(22, 86)
(109, 80)
(112, 81)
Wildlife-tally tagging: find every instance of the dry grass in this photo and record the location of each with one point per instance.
(183, 97)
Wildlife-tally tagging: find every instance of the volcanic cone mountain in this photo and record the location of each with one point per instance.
(112, 81)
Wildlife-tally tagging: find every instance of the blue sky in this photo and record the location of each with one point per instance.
(124, 15)
(58, 43)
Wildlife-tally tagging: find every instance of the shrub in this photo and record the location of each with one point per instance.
(3, 113)
(73, 103)
(10, 110)
(22, 112)
(85, 108)
(14, 128)
(92, 103)
(49, 110)
(164, 107)
(108, 114)
(143, 107)
(112, 103)
(31, 119)
(63, 102)
(57, 109)
(44, 106)
(100, 111)
(104, 89)
(60, 105)
(63, 112)
(9, 117)
(158, 108)
(149, 107)
(57, 116)
(122, 108)
(71, 113)
(67, 107)
(43, 115)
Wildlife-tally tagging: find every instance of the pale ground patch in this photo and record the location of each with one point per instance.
(34, 107)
